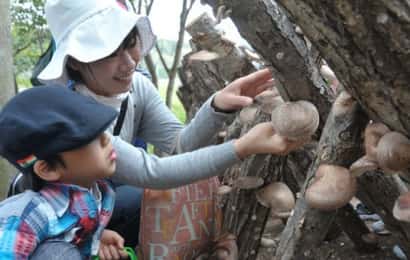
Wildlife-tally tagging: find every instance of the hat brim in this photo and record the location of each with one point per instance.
(96, 38)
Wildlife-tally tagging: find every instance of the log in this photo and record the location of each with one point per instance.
(266, 27)
(366, 43)
(379, 192)
(203, 77)
(338, 145)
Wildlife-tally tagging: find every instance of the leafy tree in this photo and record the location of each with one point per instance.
(6, 81)
(30, 36)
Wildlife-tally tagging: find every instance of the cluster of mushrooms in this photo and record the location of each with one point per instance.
(292, 121)
(334, 186)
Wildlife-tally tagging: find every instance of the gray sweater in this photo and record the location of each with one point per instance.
(149, 118)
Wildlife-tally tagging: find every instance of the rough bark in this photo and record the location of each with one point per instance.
(366, 43)
(199, 81)
(232, 62)
(201, 78)
(379, 192)
(338, 145)
(265, 26)
(6, 82)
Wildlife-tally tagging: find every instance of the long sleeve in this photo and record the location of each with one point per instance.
(136, 167)
(156, 124)
(21, 228)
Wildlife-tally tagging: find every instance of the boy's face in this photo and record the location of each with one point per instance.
(85, 165)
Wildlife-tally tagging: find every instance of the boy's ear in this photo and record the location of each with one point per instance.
(43, 170)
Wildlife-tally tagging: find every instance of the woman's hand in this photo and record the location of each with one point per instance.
(262, 139)
(240, 92)
(111, 246)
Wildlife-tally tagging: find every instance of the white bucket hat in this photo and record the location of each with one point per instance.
(89, 30)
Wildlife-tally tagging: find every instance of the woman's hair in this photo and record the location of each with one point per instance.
(32, 180)
(129, 42)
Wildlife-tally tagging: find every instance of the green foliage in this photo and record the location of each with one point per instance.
(177, 107)
(30, 36)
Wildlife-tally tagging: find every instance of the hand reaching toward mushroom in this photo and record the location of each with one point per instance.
(240, 92)
(262, 139)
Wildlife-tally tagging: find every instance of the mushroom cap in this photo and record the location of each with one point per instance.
(332, 188)
(343, 103)
(364, 164)
(393, 152)
(248, 182)
(276, 196)
(248, 114)
(327, 73)
(269, 106)
(372, 135)
(204, 55)
(224, 189)
(295, 120)
(267, 242)
(401, 209)
(266, 96)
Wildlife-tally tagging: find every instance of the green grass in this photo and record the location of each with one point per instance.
(177, 107)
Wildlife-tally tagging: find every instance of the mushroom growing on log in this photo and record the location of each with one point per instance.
(278, 197)
(372, 135)
(393, 152)
(401, 210)
(295, 120)
(332, 188)
(269, 100)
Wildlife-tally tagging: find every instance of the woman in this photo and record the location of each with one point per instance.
(98, 46)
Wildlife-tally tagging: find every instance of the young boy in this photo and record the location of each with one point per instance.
(56, 137)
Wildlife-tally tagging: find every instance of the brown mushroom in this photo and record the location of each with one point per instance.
(224, 189)
(372, 135)
(278, 197)
(295, 120)
(343, 103)
(364, 164)
(204, 55)
(332, 188)
(393, 152)
(401, 209)
(248, 114)
(268, 100)
(267, 242)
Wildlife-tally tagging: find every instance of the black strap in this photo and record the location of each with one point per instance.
(120, 120)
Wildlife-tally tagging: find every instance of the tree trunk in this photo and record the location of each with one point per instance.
(151, 68)
(266, 27)
(6, 83)
(200, 77)
(366, 43)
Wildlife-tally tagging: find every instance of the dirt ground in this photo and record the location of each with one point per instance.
(341, 248)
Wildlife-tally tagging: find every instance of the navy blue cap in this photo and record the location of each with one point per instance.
(45, 121)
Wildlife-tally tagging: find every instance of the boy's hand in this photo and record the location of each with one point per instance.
(262, 139)
(240, 92)
(111, 246)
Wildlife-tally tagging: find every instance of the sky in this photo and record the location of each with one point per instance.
(165, 20)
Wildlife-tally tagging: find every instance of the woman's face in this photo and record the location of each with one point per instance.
(111, 75)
